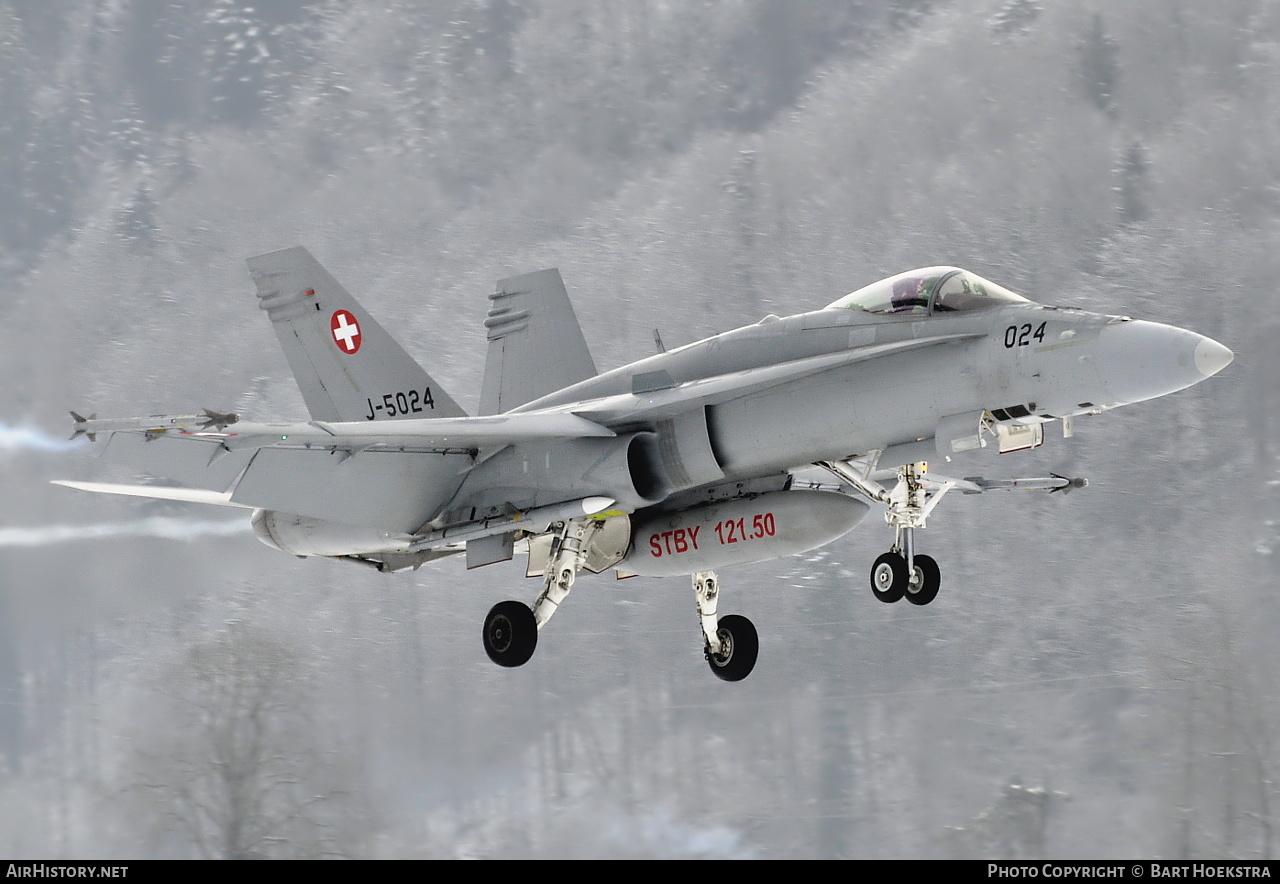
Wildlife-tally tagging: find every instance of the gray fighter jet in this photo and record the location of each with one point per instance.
(678, 464)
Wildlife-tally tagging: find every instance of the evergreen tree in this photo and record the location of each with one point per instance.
(1100, 66)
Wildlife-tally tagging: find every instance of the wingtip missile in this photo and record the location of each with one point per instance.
(79, 429)
(156, 423)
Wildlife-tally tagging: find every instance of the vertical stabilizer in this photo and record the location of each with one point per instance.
(346, 365)
(535, 343)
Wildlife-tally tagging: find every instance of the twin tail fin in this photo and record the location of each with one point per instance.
(346, 365)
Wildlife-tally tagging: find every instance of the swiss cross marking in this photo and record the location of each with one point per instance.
(346, 331)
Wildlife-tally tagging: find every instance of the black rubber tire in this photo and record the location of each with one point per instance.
(739, 634)
(930, 580)
(892, 590)
(510, 634)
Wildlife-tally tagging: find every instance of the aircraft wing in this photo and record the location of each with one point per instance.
(432, 434)
(391, 475)
(656, 396)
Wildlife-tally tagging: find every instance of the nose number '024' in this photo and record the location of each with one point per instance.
(1021, 335)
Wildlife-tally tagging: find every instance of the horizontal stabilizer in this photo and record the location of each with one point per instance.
(154, 492)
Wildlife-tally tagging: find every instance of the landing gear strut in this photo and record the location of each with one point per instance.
(511, 628)
(732, 644)
(901, 572)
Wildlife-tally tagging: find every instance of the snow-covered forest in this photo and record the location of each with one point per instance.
(1097, 677)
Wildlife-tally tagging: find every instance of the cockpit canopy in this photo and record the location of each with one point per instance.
(928, 290)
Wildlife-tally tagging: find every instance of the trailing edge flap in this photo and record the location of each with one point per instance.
(346, 365)
(388, 490)
(195, 460)
(535, 343)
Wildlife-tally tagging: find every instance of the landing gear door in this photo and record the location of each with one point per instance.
(960, 432)
(539, 555)
(610, 544)
(608, 547)
(1019, 437)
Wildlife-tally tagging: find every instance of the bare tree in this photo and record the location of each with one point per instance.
(237, 771)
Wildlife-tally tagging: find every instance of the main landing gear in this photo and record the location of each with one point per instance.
(511, 628)
(730, 643)
(510, 634)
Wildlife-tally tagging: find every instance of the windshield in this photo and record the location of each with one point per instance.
(905, 293)
(946, 289)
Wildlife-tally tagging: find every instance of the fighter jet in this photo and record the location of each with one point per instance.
(688, 461)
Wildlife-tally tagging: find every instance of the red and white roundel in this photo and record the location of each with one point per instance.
(346, 331)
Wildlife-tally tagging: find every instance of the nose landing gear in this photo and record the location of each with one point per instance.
(901, 573)
(889, 577)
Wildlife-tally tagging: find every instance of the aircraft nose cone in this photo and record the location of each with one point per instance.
(1211, 357)
(1142, 360)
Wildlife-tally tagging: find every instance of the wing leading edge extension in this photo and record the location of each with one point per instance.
(655, 395)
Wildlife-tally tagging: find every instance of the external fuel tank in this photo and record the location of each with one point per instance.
(735, 532)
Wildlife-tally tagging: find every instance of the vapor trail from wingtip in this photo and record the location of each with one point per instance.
(161, 527)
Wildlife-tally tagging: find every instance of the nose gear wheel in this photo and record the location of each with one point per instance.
(925, 580)
(889, 577)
